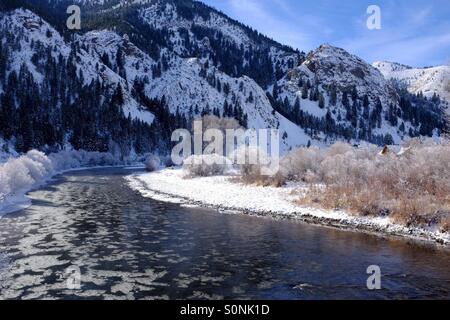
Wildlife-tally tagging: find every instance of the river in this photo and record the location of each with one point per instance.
(87, 235)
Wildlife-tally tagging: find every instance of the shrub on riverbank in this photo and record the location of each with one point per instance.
(252, 163)
(71, 159)
(18, 175)
(152, 163)
(206, 165)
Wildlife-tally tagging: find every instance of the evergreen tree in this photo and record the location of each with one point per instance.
(388, 140)
(305, 91)
(333, 95)
(296, 111)
(345, 101)
(321, 101)
(275, 92)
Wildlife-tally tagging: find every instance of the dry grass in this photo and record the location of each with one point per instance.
(251, 161)
(251, 174)
(413, 189)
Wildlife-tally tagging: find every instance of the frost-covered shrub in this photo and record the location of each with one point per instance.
(41, 158)
(94, 159)
(338, 148)
(70, 159)
(314, 164)
(109, 159)
(64, 160)
(35, 169)
(152, 163)
(20, 174)
(302, 164)
(17, 174)
(206, 165)
(412, 188)
(4, 184)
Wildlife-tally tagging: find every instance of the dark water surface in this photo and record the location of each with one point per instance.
(129, 247)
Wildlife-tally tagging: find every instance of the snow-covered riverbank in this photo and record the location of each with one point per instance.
(223, 192)
(34, 169)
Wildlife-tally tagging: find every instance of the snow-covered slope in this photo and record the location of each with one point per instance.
(183, 85)
(335, 65)
(429, 81)
(187, 85)
(329, 67)
(36, 34)
(387, 68)
(193, 28)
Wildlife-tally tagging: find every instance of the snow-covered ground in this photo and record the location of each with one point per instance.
(225, 193)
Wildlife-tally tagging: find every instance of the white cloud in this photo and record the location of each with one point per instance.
(407, 36)
(409, 50)
(419, 16)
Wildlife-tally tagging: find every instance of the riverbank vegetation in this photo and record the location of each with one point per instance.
(19, 175)
(411, 185)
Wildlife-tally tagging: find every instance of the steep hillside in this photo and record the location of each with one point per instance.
(34, 38)
(190, 86)
(55, 92)
(427, 81)
(339, 94)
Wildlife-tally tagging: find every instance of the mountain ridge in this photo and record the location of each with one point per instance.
(168, 59)
(427, 81)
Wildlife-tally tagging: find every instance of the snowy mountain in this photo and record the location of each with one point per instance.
(139, 69)
(429, 81)
(36, 34)
(330, 65)
(350, 98)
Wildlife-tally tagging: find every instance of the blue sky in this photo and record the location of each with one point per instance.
(414, 32)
